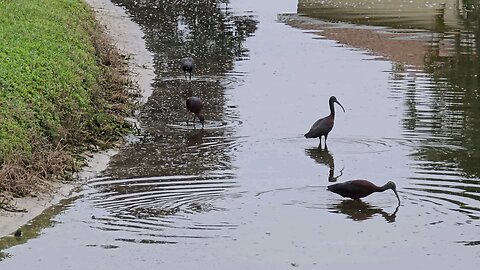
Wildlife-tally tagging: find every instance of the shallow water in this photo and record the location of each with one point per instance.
(249, 191)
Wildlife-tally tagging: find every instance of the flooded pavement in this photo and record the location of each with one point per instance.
(249, 191)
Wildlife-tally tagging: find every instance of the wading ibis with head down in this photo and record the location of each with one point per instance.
(356, 189)
(323, 126)
(195, 105)
(187, 64)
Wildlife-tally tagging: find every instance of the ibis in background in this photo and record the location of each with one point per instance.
(356, 189)
(195, 105)
(323, 126)
(187, 64)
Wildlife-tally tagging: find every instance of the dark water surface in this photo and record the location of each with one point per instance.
(249, 191)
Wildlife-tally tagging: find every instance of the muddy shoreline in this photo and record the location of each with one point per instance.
(127, 37)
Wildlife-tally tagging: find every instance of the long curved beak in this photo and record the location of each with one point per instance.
(340, 105)
(396, 194)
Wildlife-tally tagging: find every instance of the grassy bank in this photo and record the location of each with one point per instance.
(63, 90)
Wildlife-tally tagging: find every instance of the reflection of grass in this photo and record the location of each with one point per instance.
(58, 89)
(33, 228)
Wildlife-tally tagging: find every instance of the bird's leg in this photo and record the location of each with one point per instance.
(190, 76)
(187, 117)
(331, 178)
(320, 143)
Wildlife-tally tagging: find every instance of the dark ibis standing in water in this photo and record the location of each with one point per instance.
(195, 105)
(356, 189)
(323, 126)
(187, 64)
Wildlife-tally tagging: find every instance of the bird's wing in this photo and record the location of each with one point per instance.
(321, 127)
(359, 188)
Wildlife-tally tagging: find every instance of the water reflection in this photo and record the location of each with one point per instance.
(360, 211)
(34, 227)
(195, 138)
(441, 119)
(435, 73)
(161, 204)
(203, 29)
(175, 171)
(397, 14)
(323, 156)
(209, 32)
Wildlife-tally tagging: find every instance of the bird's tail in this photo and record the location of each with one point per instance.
(308, 135)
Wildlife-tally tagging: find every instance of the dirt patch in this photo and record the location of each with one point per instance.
(32, 176)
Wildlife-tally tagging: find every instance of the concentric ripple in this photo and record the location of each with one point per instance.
(160, 206)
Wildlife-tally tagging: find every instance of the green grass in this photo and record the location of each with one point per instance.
(52, 88)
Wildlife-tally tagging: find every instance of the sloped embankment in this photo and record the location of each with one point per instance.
(64, 89)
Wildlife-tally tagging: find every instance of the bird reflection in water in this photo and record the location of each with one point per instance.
(194, 138)
(323, 156)
(359, 211)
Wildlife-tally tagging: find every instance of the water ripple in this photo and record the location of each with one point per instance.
(163, 204)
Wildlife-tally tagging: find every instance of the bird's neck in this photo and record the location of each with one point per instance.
(383, 188)
(332, 109)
